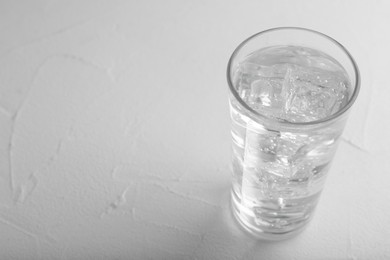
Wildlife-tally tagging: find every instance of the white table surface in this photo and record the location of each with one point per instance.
(114, 131)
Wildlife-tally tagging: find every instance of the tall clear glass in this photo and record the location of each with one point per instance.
(279, 167)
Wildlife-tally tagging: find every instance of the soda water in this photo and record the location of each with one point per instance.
(279, 175)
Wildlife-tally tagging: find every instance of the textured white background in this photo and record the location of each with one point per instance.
(114, 130)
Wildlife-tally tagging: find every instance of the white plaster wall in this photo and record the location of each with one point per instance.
(114, 130)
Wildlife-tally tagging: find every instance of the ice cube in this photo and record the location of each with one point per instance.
(256, 70)
(311, 95)
(261, 92)
(265, 96)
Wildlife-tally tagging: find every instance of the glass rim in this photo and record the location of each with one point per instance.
(285, 123)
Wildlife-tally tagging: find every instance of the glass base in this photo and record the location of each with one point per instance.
(263, 233)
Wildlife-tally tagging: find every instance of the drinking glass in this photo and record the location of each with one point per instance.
(279, 167)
